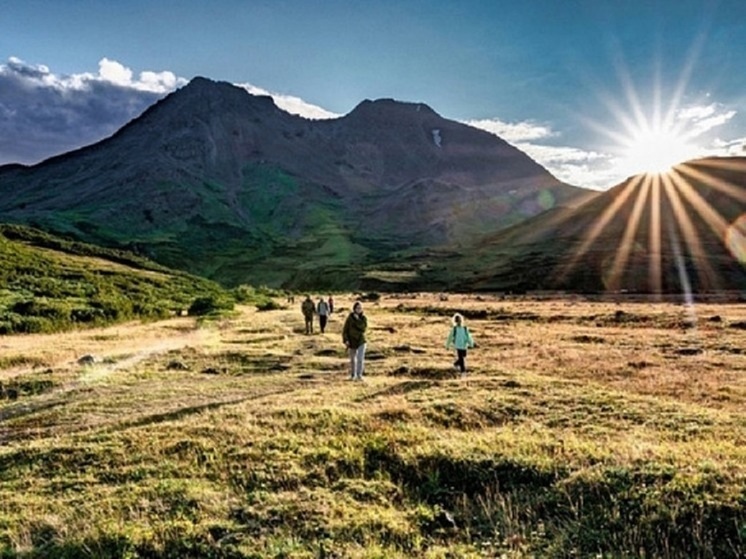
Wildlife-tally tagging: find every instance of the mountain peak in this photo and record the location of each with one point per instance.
(391, 108)
(223, 92)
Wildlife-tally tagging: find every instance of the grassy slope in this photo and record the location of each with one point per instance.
(274, 229)
(588, 430)
(271, 230)
(49, 284)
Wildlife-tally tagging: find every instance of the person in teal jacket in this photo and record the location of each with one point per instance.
(460, 338)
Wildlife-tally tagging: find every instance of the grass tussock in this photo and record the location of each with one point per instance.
(582, 436)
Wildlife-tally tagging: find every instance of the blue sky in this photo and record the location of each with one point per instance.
(574, 83)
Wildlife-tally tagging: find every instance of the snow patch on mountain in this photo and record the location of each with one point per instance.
(436, 137)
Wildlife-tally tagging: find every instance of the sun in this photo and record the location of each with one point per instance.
(654, 150)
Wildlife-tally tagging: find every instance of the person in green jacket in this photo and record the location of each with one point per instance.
(460, 338)
(353, 336)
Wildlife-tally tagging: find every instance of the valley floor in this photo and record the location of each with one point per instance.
(583, 429)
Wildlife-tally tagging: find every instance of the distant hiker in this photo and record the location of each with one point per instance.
(460, 338)
(353, 336)
(322, 309)
(308, 308)
(331, 305)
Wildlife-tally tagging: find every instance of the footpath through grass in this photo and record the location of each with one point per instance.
(581, 431)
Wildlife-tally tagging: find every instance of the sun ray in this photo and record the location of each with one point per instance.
(686, 73)
(674, 187)
(655, 278)
(686, 287)
(599, 225)
(714, 220)
(735, 239)
(728, 164)
(628, 239)
(722, 185)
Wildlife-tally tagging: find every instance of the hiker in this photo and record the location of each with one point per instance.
(331, 305)
(322, 309)
(308, 308)
(460, 338)
(353, 336)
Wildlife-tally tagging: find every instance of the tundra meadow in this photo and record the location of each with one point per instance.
(584, 428)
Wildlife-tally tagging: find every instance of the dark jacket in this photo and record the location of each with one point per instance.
(308, 308)
(353, 332)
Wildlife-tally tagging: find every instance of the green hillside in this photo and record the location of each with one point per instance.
(48, 284)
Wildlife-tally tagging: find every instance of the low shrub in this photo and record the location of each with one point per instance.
(211, 304)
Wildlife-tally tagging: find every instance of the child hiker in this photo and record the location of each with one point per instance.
(460, 338)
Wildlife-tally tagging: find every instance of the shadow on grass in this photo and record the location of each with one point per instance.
(432, 373)
(398, 389)
(25, 386)
(48, 543)
(181, 413)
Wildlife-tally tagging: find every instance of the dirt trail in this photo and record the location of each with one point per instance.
(127, 343)
(115, 348)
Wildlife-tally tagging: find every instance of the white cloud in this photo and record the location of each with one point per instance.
(580, 167)
(697, 120)
(696, 112)
(589, 169)
(513, 131)
(707, 124)
(155, 82)
(292, 104)
(160, 81)
(729, 147)
(44, 114)
(114, 72)
(701, 120)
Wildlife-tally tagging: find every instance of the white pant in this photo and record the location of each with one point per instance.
(357, 362)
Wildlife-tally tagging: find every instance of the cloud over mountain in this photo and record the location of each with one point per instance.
(43, 113)
(570, 164)
(292, 104)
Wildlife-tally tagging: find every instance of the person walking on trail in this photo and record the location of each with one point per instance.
(308, 308)
(353, 336)
(331, 305)
(460, 338)
(322, 309)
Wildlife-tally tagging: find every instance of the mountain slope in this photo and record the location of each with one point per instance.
(50, 284)
(681, 232)
(222, 183)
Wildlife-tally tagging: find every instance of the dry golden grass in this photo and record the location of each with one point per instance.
(244, 438)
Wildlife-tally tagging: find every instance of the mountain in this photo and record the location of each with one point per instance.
(222, 183)
(684, 231)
